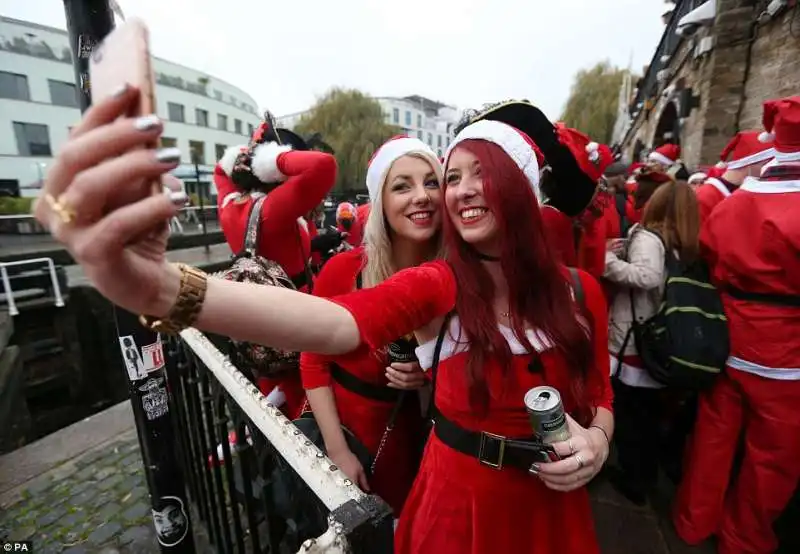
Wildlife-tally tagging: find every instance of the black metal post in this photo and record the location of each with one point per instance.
(88, 22)
(200, 200)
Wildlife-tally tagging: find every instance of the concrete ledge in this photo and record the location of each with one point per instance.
(35, 459)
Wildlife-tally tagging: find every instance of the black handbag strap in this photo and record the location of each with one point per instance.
(437, 353)
(252, 233)
(627, 338)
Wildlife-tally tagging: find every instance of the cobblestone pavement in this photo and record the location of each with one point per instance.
(98, 504)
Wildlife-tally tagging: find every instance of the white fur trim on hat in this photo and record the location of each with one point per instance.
(697, 178)
(766, 137)
(228, 159)
(388, 153)
(660, 158)
(509, 139)
(758, 157)
(265, 162)
(719, 185)
(592, 149)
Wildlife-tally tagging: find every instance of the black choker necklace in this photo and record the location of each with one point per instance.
(487, 257)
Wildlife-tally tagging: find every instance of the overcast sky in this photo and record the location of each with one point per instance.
(463, 52)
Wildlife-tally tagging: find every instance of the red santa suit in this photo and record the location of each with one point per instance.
(744, 149)
(305, 177)
(362, 211)
(752, 242)
(367, 416)
(345, 211)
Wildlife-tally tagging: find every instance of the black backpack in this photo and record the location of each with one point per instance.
(685, 344)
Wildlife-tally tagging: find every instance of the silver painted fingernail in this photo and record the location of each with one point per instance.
(147, 122)
(168, 155)
(178, 198)
(119, 91)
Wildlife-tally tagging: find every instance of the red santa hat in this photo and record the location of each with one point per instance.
(593, 158)
(383, 158)
(782, 123)
(666, 154)
(516, 144)
(745, 148)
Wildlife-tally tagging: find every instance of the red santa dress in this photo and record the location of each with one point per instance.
(306, 179)
(560, 234)
(457, 505)
(752, 243)
(367, 417)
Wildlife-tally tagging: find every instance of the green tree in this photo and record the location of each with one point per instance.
(353, 124)
(592, 104)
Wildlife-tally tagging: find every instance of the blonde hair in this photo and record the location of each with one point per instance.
(377, 237)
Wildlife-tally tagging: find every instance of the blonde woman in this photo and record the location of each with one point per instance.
(362, 390)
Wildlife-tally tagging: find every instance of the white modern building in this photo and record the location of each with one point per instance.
(38, 105)
(428, 120)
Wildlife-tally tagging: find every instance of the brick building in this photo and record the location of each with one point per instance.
(717, 61)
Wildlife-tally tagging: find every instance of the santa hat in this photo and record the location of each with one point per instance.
(697, 178)
(346, 210)
(383, 158)
(516, 144)
(745, 148)
(666, 154)
(539, 137)
(782, 123)
(593, 158)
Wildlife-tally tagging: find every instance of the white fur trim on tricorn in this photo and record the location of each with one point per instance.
(758, 157)
(228, 159)
(660, 158)
(265, 162)
(388, 153)
(509, 139)
(766, 137)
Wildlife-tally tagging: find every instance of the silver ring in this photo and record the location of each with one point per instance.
(571, 448)
(579, 460)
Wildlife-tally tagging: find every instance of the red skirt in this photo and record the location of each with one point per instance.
(458, 506)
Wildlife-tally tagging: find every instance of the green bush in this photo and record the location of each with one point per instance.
(15, 206)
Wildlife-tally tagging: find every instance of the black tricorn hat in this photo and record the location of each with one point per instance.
(575, 189)
(291, 138)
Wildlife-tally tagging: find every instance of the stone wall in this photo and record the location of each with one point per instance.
(731, 88)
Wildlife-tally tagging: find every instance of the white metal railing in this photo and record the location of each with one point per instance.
(12, 305)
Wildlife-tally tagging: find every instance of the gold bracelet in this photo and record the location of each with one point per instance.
(191, 295)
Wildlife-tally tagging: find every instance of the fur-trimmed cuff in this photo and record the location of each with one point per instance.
(228, 159)
(265, 162)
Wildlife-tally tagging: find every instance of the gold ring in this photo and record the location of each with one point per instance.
(579, 460)
(64, 212)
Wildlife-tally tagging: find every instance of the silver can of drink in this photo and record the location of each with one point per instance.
(547, 415)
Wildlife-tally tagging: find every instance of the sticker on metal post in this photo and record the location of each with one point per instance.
(170, 520)
(132, 358)
(153, 356)
(155, 399)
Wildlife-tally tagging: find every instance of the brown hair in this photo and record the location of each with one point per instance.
(673, 213)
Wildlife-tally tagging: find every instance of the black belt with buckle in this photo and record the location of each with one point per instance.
(492, 450)
(361, 387)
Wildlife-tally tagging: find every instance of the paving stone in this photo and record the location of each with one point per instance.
(110, 482)
(138, 534)
(133, 459)
(104, 533)
(136, 512)
(130, 483)
(50, 516)
(39, 487)
(101, 499)
(75, 550)
(109, 511)
(21, 533)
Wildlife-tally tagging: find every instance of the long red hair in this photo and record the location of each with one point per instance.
(538, 286)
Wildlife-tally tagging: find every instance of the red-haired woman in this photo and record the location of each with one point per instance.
(361, 390)
(294, 181)
(517, 323)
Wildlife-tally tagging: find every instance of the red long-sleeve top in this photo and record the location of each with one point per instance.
(283, 239)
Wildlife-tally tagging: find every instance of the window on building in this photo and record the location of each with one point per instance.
(237, 126)
(14, 86)
(396, 115)
(250, 129)
(33, 139)
(408, 119)
(197, 150)
(439, 141)
(168, 142)
(419, 135)
(439, 152)
(175, 112)
(201, 117)
(63, 94)
(419, 120)
(222, 122)
(9, 187)
(219, 150)
(430, 139)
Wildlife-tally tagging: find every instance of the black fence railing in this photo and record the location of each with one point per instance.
(257, 482)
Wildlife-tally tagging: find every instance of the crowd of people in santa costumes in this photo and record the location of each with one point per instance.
(470, 281)
(752, 242)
